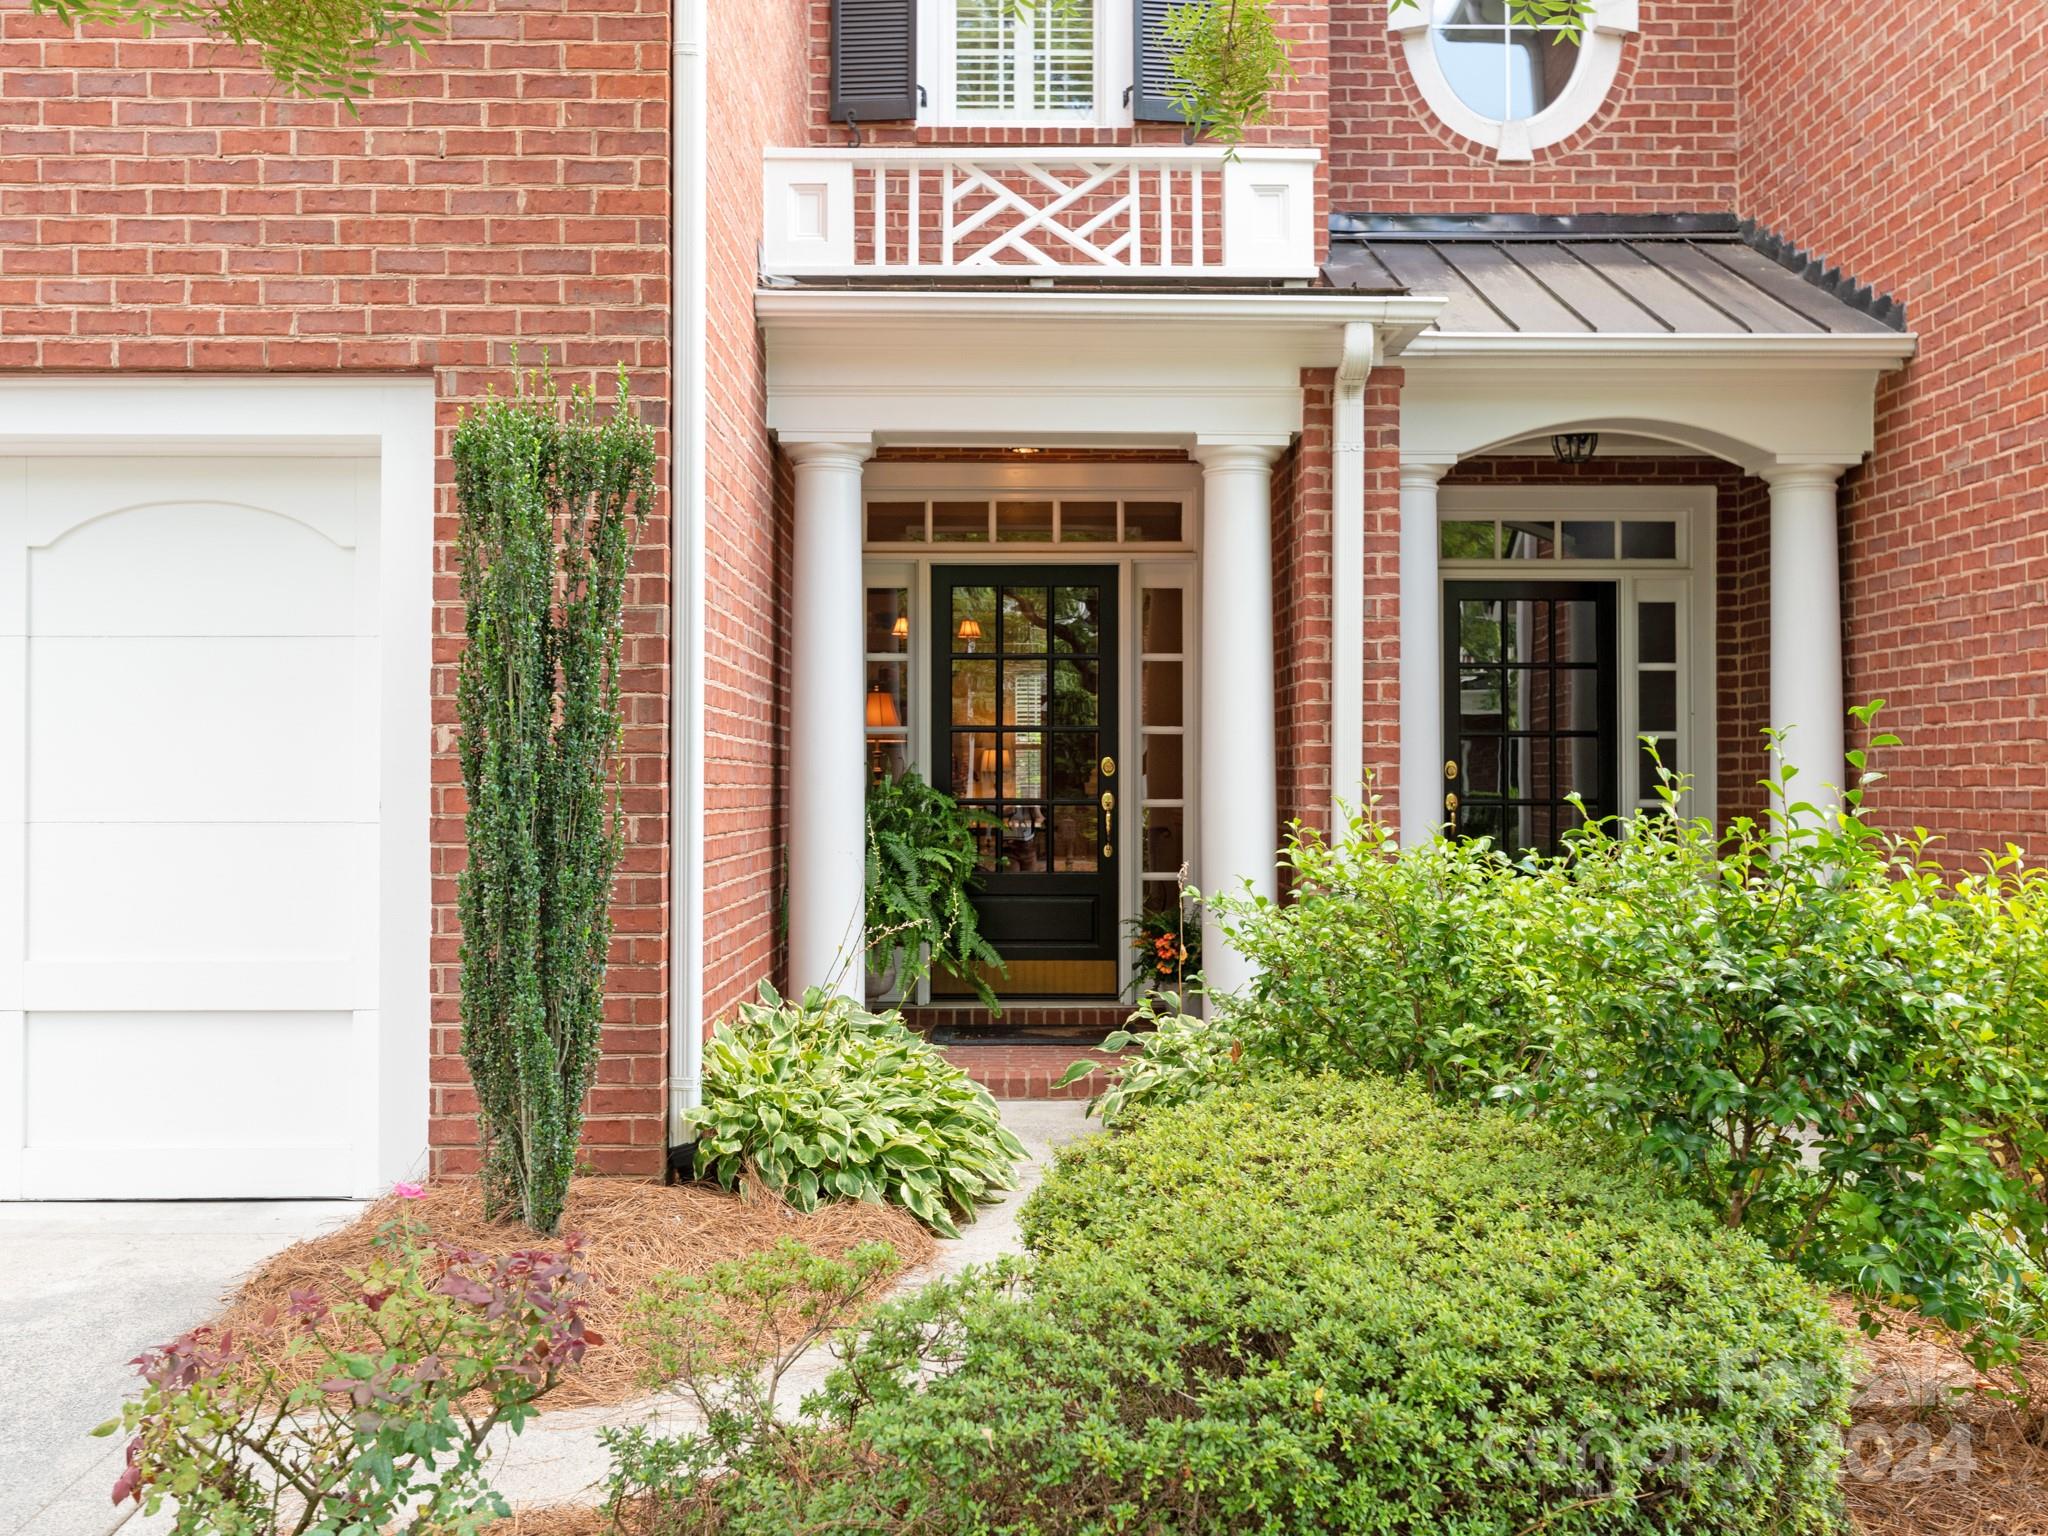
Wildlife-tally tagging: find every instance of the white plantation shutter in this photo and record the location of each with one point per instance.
(1063, 56)
(984, 57)
(1038, 59)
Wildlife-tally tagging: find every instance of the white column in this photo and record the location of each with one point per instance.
(1240, 801)
(827, 722)
(1422, 648)
(1806, 629)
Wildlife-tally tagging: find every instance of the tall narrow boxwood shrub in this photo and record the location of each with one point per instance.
(549, 497)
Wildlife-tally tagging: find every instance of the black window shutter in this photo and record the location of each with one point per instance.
(874, 60)
(1151, 100)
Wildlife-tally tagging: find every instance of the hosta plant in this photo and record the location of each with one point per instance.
(826, 1101)
(435, 1349)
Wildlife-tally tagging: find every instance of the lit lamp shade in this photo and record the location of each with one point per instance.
(901, 628)
(882, 708)
(970, 629)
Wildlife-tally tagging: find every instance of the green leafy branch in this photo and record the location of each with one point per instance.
(319, 48)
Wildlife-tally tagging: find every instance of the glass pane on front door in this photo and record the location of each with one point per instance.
(1530, 708)
(1025, 718)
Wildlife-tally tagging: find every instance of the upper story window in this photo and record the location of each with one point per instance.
(1499, 70)
(1032, 61)
(1025, 61)
(1000, 63)
(1515, 89)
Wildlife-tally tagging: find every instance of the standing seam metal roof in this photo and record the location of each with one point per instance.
(1625, 284)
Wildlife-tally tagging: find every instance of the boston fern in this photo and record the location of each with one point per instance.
(921, 855)
(827, 1101)
(548, 499)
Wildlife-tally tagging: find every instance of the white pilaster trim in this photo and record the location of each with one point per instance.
(1422, 695)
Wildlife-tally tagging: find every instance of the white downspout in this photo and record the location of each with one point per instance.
(1347, 577)
(688, 145)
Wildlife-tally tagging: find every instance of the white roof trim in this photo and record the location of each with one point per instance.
(1862, 348)
(1397, 318)
(1060, 366)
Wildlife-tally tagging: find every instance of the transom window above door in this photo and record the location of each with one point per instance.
(1062, 520)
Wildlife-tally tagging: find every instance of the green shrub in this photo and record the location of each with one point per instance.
(921, 856)
(1827, 1039)
(1315, 1305)
(548, 499)
(1395, 961)
(1810, 1027)
(828, 1101)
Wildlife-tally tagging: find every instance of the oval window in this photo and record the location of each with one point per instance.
(1499, 70)
(1513, 87)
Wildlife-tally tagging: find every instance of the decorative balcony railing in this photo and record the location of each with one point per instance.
(1114, 211)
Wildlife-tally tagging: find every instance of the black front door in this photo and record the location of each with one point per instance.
(1529, 709)
(1024, 715)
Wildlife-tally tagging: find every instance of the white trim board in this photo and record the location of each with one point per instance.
(390, 420)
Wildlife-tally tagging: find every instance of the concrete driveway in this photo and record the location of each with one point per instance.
(94, 1285)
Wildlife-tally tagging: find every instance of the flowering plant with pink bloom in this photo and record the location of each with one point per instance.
(435, 1347)
(406, 1191)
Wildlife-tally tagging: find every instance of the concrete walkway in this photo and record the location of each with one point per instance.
(106, 1281)
(92, 1286)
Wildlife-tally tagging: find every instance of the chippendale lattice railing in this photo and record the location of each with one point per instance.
(1104, 211)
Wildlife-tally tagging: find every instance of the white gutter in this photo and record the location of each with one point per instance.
(688, 142)
(1347, 577)
(1493, 348)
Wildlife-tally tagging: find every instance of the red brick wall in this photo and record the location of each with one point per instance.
(1904, 143)
(162, 207)
(1664, 140)
(758, 63)
(1302, 615)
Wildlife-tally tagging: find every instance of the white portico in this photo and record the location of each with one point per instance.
(1215, 376)
(1680, 339)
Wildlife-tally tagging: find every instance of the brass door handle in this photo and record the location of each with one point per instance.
(1108, 815)
(1451, 801)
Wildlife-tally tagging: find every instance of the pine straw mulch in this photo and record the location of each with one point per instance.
(631, 1231)
(1933, 1449)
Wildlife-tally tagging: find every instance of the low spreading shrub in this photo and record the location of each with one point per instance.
(390, 1434)
(1318, 1305)
(824, 1100)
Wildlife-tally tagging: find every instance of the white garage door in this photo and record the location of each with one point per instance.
(188, 815)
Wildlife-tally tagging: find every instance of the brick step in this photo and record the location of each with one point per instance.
(1027, 1071)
